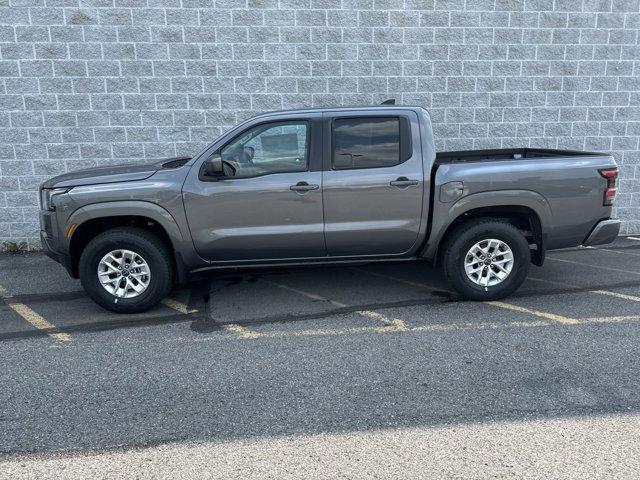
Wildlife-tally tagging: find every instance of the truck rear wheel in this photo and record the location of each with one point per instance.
(486, 259)
(126, 270)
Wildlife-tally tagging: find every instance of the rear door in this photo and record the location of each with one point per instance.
(373, 182)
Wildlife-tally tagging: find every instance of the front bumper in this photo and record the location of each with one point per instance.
(49, 238)
(605, 231)
(49, 249)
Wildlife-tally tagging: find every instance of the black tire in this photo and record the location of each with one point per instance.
(460, 241)
(144, 243)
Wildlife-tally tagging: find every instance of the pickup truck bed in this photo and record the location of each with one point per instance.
(564, 188)
(507, 154)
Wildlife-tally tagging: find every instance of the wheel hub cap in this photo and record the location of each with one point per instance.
(124, 273)
(488, 262)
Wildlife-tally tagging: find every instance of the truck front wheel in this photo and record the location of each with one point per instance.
(486, 259)
(126, 270)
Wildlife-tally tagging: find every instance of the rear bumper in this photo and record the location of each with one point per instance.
(605, 231)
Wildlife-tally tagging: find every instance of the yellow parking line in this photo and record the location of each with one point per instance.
(633, 238)
(537, 313)
(366, 330)
(479, 326)
(310, 332)
(238, 330)
(320, 332)
(34, 318)
(614, 319)
(178, 306)
(436, 328)
(624, 296)
(242, 332)
(505, 305)
(394, 323)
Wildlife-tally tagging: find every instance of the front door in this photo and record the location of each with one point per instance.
(268, 205)
(373, 184)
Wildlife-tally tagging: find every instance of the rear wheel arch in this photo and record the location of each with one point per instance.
(526, 210)
(523, 218)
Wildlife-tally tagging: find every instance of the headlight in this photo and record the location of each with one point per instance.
(46, 195)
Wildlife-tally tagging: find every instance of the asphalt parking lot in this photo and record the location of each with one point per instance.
(378, 370)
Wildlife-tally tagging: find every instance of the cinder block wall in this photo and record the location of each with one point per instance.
(95, 82)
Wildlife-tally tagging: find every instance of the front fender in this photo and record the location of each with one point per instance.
(124, 208)
(137, 208)
(445, 214)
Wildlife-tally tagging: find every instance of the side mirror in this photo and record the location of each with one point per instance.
(213, 167)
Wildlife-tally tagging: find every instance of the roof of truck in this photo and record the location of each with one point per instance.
(343, 108)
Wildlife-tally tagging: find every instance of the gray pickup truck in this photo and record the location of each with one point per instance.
(319, 186)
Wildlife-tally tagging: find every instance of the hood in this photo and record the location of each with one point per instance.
(113, 174)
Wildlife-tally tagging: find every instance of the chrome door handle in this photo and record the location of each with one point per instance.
(403, 182)
(303, 187)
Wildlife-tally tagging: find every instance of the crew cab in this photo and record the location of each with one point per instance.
(321, 186)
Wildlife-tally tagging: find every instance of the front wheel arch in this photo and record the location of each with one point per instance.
(89, 229)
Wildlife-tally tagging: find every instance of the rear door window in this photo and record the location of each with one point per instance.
(368, 142)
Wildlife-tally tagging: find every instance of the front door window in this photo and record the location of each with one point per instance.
(280, 147)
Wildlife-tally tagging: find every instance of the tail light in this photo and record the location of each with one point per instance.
(611, 175)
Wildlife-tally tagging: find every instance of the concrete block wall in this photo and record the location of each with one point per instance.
(95, 82)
